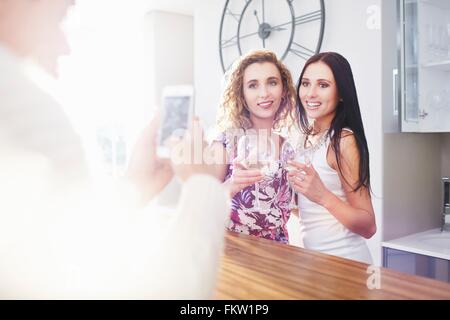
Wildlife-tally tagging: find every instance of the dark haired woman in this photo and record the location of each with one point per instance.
(335, 206)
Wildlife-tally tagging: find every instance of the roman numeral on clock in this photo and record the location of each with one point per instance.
(309, 17)
(301, 51)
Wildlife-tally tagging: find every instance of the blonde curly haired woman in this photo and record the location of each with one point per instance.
(259, 98)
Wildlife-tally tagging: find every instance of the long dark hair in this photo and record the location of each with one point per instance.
(348, 114)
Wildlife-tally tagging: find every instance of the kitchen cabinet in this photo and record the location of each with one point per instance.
(422, 86)
(416, 264)
(424, 254)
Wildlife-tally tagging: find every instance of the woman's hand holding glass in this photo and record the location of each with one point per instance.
(302, 176)
(242, 177)
(305, 180)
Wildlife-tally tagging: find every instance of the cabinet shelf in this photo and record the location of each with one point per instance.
(441, 65)
(424, 71)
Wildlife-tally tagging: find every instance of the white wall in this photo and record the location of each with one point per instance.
(170, 50)
(208, 76)
(412, 184)
(351, 30)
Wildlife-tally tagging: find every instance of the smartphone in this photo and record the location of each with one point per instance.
(177, 112)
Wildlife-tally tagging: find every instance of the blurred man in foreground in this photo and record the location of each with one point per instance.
(59, 238)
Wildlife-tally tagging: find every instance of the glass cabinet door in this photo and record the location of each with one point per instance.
(425, 65)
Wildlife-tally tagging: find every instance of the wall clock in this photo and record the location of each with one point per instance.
(293, 29)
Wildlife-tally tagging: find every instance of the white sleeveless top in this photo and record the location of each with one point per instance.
(319, 229)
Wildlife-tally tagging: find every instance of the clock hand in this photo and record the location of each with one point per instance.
(249, 35)
(259, 28)
(257, 19)
(276, 28)
(264, 22)
(263, 12)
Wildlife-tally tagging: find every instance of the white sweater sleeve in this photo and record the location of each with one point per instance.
(106, 252)
(157, 258)
(188, 257)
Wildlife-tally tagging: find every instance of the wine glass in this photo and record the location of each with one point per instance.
(258, 154)
(288, 154)
(247, 153)
(267, 157)
(305, 152)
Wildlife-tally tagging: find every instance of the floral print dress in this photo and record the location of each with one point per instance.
(274, 198)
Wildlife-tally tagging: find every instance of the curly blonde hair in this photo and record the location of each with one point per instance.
(233, 113)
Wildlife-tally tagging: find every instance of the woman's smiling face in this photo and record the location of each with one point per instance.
(263, 91)
(318, 93)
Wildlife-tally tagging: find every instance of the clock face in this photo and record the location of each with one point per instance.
(293, 29)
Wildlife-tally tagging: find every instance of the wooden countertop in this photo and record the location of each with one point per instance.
(255, 268)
